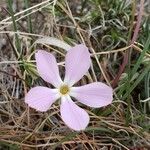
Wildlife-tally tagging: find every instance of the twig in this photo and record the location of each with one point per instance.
(15, 76)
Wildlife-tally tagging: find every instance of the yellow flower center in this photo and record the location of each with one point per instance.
(64, 89)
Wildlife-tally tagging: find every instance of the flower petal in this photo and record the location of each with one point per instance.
(75, 117)
(94, 95)
(47, 67)
(41, 98)
(77, 63)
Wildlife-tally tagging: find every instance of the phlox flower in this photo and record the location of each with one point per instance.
(77, 63)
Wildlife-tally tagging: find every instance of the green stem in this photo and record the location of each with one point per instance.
(18, 44)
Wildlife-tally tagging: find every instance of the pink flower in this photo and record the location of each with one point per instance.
(77, 63)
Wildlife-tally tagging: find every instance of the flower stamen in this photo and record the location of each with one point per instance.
(64, 89)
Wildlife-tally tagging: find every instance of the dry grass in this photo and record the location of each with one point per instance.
(122, 125)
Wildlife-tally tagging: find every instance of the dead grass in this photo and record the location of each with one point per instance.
(105, 32)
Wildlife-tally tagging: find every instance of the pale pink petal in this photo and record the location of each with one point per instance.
(47, 67)
(41, 98)
(77, 63)
(74, 117)
(96, 94)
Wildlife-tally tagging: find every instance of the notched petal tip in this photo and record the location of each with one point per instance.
(38, 51)
(42, 53)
